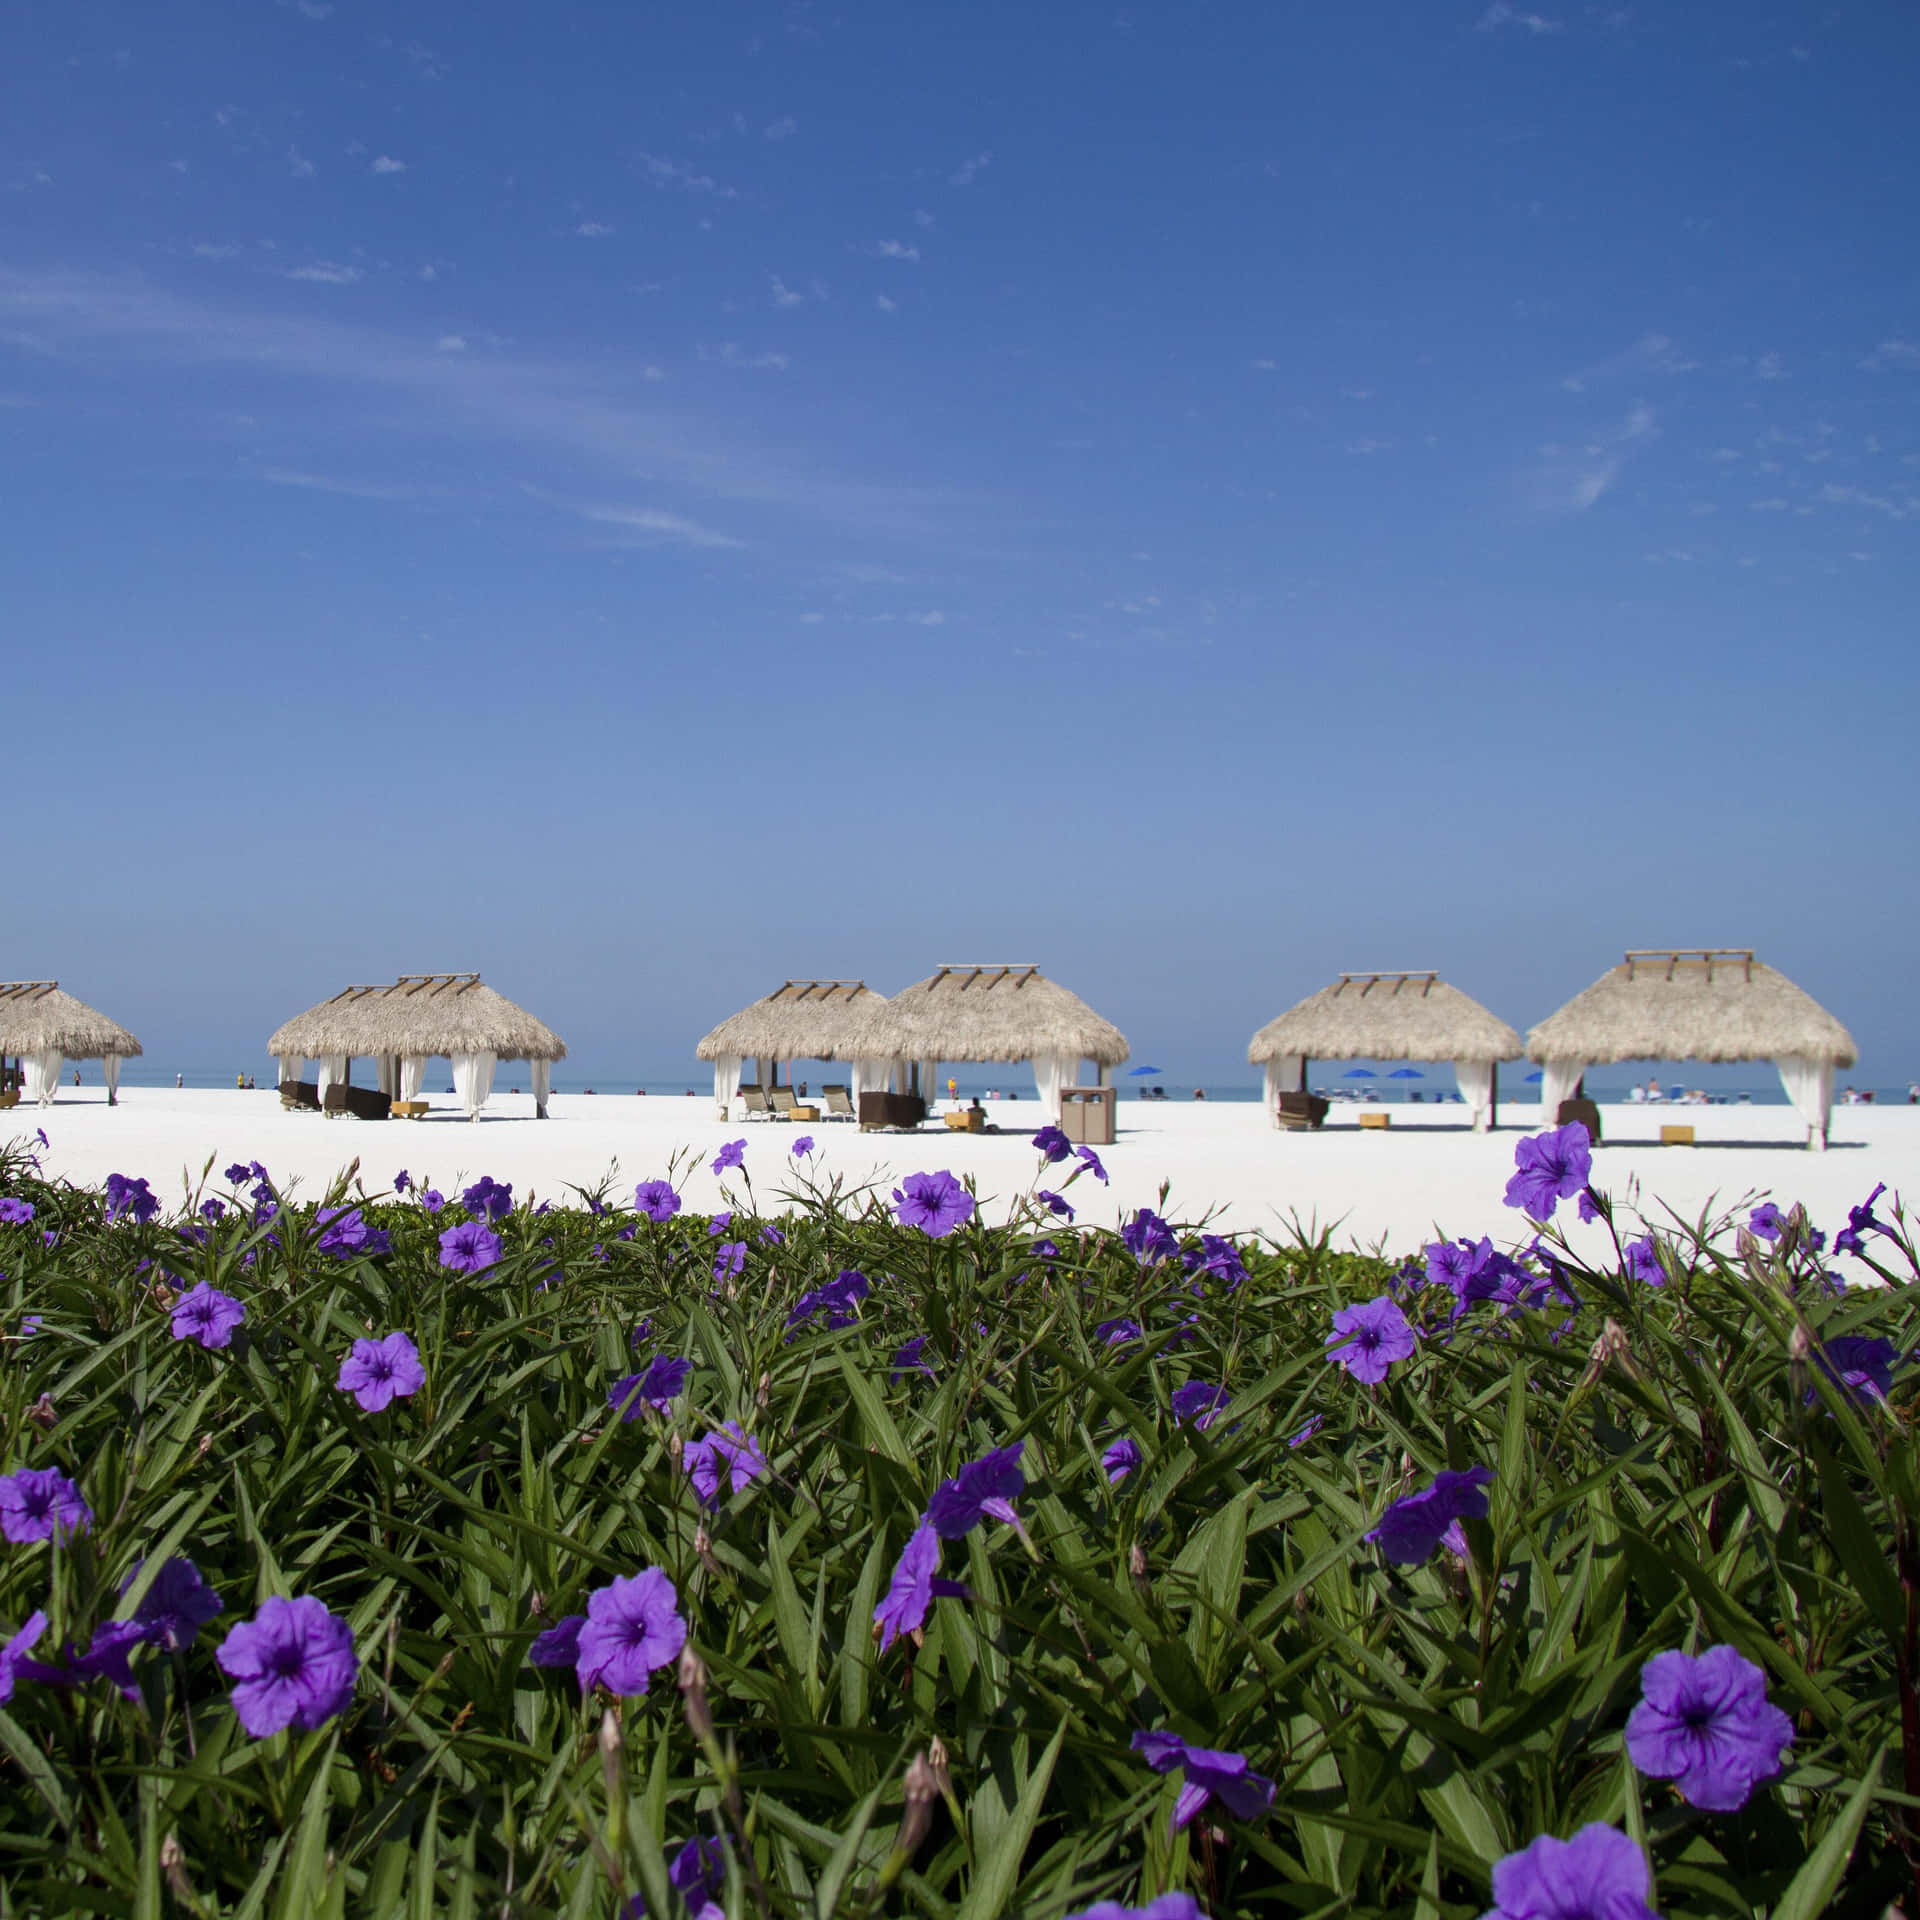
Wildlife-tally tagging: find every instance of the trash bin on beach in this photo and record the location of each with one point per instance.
(1088, 1114)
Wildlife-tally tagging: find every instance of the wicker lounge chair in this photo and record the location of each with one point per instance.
(780, 1102)
(838, 1105)
(754, 1097)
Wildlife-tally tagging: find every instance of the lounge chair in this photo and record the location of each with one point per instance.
(755, 1099)
(838, 1105)
(879, 1110)
(1298, 1111)
(300, 1095)
(781, 1103)
(364, 1103)
(1583, 1110)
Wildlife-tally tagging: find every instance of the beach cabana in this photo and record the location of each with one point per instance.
(43, 1029)
(798, 1020)
(1695, 1003)
(403, 1026)
(990, 1013)
(1387, 1016)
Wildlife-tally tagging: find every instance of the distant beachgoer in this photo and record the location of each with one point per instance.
(803, 1090)
(1913, 1093)
(589, 1089)
(1200, 1093)
(179, 1079)
(953, 1088)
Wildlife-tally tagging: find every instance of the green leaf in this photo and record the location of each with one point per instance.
(995, 1876)
(1807, 1897)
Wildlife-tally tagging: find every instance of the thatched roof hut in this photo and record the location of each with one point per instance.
(991, 1013)
(421, 1015)
(1696, 1003)
(799, 1020)
(43, 1028)
(1387, 1016)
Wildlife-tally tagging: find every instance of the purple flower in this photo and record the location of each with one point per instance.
(15, 1213)
(1767, 1221)
(802, 1147)
(38, 1501)
(1052, 1145)
(633, 1628)
(489, 1198)
(656, 1388)
(1597, 1875)
(559, 1646)
(108, 1656)
(379, 1372)
(1583, 1202)
(1860, 1363)
(836, 1300)
(1307, 1432)
(1368, 1339)
(292, 1665)
(656, 1199)
(1090, 1163)
(936, 1203)
(726, 1451)
(1055, 1204)
(14, 1654)
(908, 1360)
(985, 1486)
(238, 1174)
(132, 1197)
(401, 1181)
(1120, 1459)
(729, 1259)
(1199, 1402)
(1551, 1167)
(1117, 1333)
(733, 1154)
(1456, 1263)
(207, 1315)
(1859, 1220)
(1643, 1262)
(433, 1200)
(772, 1237)
(1705, 1724)
(1044, 1250)
(718, 1225)
(214, 1210)
(1165, 1906)
(176, 1606)
(914, 1587)
(699, 1875)
(469, 1247)
(1225, 1777)
(1413, 1526)
(1148, 1238)
(1218, 1257)
(346, 1233)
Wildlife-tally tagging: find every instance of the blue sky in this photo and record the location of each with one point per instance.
(650, 501)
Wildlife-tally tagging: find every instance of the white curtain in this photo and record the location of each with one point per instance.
(1559, 1078)
(110, 1073)
(473, 1080)
(413, 1072)
(292, 1068)
(40, 1073)
(726, 1084)
(542, 1071)
(1476, 1089)
(930, 1083)
(871, 1076)
(1809, 1085)
(330, 1070)
(1051, 1072)
(1286, 1073)
(383, 1073)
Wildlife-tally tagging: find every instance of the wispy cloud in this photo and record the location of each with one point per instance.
(674, 175)
(782, 129)
(922, 218)
(593, 229)
(730, 353)
(212, 250)
(1651, 353)
(1501, 14)
(450, 343)
(1894, 356)
(1572, 479)
(298, 164)
(655, 528)
(326, 483)
(1874, 502)
(328, 273)
(968, 171)
(386, 163)
(932, 618)
(1770, 366)
(885, 305)
(786, 296)
(897, 250)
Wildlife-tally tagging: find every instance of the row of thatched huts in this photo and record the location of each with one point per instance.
(41, 1029)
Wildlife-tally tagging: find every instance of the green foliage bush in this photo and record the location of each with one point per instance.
(1674, 1467)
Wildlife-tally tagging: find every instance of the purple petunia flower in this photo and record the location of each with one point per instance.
(1860, 1363)
(1583, 1204)
(1860, 1220)
(207, 1315)
(488, 1197)
(836, 1300)
(1767, 1221)
(733, 1154)
(37, 1502)
(1643, 1262)
(379, 1372)
(698, 1874)
(292, 1665)
(433, 1200)
(469, 1248)
(345, 1233)
(214, 1210)
(718, 1225)
(130, 1197)
(1090, 1162)
(914, 1587)
(1198, 1403)
(1225, 1777)
(656, 1199)
(1456, 1263)
(1052, 1145)
(15, 1213)
(1600, 1874)
(176, 1606)
(729, 1259)
(1307, 1432)
(1551, 1167)
(1044, 1250)
(725, 1451)
(908, 1360)
(772, 1237)
(987, 1486)
(1705, 1724)
(1217, 1257)
(13, 1656)
(1368, 1339)
(936, 1203)
(1117, 1333)
(238, 1174)
(559, 1646)
(1148, 1238)
(1120, 1459)
(1414, 1525)
(802, 1147)
(401, 1181)
(655, 1389)
(633, 1628)
(1165, 1906)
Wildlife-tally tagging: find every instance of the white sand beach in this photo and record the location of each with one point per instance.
(1390, 1188)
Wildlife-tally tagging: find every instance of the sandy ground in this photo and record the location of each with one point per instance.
(1391, 1187)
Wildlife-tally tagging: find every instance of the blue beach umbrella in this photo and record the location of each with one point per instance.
(1140, 1073)
(1360, 1073)
(1535, 1076)
(1406, 1073)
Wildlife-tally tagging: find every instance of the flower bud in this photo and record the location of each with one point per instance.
(937, 1763)
(675, 1447)
(1611, 1349)
(764, 1396)
(1137, 1567)
(703, 1549)
(610, 1743)
(1799, 1357)
(41, 1413)
(692, 1676)
(922, 1791)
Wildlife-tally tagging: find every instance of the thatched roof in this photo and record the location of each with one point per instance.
(1387, 1016)
(799, 1020)
(1691, 1003)
(444, 1013)
(985, 1013)
(36, 1017)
